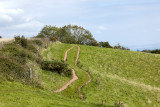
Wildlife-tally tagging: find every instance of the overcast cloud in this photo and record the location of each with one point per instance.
(134, 24)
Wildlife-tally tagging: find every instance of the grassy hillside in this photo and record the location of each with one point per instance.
(131, 77)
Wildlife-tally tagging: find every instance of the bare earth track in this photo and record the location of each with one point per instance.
(75, 76)
(73, 72)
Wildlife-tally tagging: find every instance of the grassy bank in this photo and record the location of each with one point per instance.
(131, 77)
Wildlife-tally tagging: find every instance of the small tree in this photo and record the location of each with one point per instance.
(105, 44)
(118, 46)
(0, 36)
(21, 41)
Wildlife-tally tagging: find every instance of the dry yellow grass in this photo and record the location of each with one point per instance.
(6, 39)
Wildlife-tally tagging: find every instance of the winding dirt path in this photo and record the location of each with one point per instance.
(89, 80)
(80, 87)
(75, 76)
(73, 72)
(66, 53)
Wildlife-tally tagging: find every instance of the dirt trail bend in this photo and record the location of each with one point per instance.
(65, 56)
(77, 56)
(89, 80)
(73, 72)
(80, 87)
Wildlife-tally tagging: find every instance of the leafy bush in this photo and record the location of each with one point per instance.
(156, 51)
(17, 53)
(105, 44)
(12, 69)
(32, 48)
(21, 41)
(37, 42)
(0, 36)
(56, 66)
(118, 46)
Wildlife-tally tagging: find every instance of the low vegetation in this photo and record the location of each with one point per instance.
(31, 70)
(156, 51)
(56, 66)
(117, 75)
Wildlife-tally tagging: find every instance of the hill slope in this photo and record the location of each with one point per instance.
(131, 77)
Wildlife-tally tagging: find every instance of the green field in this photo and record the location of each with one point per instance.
(131, 77)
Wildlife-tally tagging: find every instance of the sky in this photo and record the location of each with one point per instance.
(132, 23)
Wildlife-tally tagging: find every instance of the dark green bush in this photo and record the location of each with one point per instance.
(156, 51)
(18, 53)
(12, 69)
(118, 46)
(56, 66)
(37, 42)
(105, 44)
(21, 41)
(32, 48)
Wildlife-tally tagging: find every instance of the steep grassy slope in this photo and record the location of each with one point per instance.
(57, 51)
(15, 93)
(131, 77)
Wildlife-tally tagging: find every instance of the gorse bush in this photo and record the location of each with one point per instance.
(10, 69)
(37, 42)
(17, 52)
(21, 41)
(56, 66)
(118, 46)
(156, 51)
(14, 59)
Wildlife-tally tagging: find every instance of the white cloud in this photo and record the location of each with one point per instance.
(11, 11)
(102, 28)
(32, 25)
(5, 18)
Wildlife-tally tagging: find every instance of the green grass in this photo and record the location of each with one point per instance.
(57, 52)
(122, 75)
(131, 77)
(14, 94)
(18, 94)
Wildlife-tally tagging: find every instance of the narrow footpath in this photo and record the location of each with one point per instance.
(73, 72)
(75, 76)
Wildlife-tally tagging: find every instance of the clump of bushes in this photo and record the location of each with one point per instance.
(22, 41)
(105, 44)
(118, 46)
(17, 53)
(156, 51)
(14, 57)
(37, 42)
(0, 36)
(56, 66)
(10, 69)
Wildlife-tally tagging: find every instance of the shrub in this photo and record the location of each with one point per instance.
(37, 42)
(156, 51)
(0, 36)
(118, 46)
(32, 48)
(17, 53)
(56, 66)
(21, 41)
(11, 69)
(105, 44)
